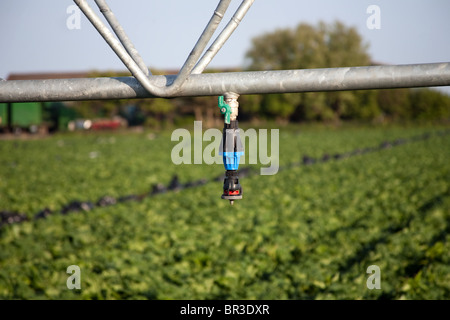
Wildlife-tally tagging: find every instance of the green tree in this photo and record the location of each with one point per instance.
(395, 104)
(278, 106)
(428, 104)
(344, 47)
(304, 47)
(251, 107)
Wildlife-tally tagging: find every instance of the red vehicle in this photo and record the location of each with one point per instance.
(107, 124)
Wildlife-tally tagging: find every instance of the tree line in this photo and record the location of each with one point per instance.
(303, 47)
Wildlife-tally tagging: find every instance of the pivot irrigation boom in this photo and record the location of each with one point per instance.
(191, 82)
(210, 84)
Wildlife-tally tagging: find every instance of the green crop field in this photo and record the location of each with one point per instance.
(371, 196)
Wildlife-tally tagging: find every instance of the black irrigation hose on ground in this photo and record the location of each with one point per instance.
(8, 217)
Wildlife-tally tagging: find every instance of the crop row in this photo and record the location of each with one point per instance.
(55, 171)
(307, 232)
(8, 217)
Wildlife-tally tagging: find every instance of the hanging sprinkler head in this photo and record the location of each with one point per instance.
(231, 146)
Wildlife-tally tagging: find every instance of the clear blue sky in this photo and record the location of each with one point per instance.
(34, 36)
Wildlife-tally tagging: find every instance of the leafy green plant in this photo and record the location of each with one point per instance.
(308, 232)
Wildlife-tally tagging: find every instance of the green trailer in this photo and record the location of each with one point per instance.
(3, 115)
(35, 116)
(16, 117)
(60, 115)
(26, 115)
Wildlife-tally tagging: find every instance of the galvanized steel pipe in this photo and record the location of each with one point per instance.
(258, 82)
(201, 44)
(120, 33)
(171, 87)
(223, 36)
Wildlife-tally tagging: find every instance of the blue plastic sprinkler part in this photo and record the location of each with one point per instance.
(231, 160)
(225, 109)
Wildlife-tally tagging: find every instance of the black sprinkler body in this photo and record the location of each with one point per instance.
(232, 190)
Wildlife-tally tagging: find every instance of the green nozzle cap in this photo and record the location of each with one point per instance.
(225, 109)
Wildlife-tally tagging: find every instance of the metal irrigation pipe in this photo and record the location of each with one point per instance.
(120, 33)
(223, 36)
(116, 46)
(199, 46)
(210, 84)
(169, 88)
